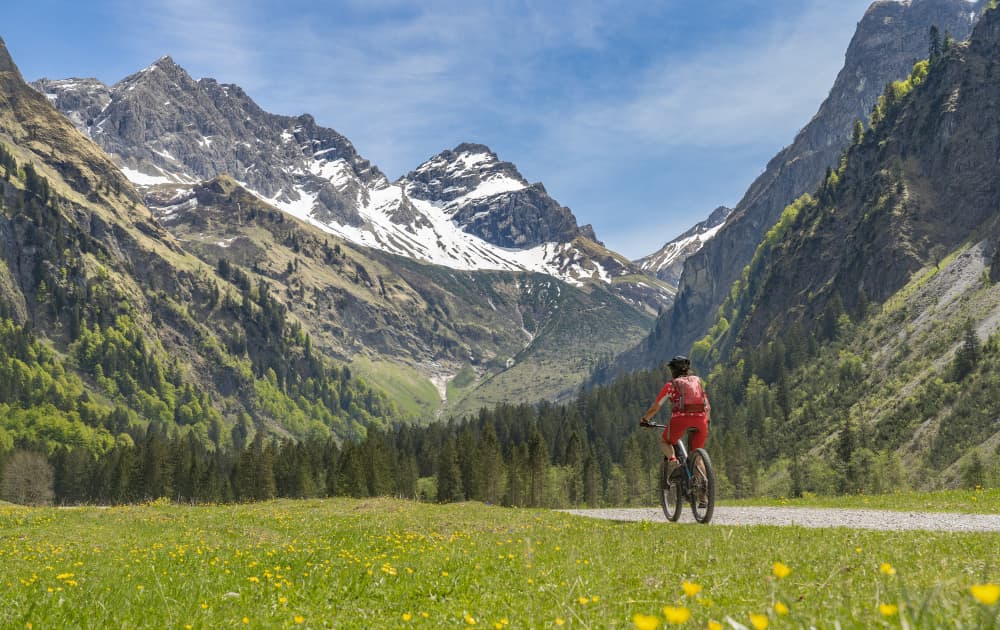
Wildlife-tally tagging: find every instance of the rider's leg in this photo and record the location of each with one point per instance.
(666, 446)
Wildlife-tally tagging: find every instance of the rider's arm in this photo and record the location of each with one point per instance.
(660, 399)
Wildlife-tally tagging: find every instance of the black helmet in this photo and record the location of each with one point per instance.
(680, 364)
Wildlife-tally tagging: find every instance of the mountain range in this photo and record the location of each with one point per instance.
(456, 285)
(463, 208)
(889, 39)
(177, 261)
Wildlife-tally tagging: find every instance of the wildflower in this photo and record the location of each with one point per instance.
(595, 598)
(64, 576)
(676, 615)
(887, 569)
(780, 608)
(583, 601)
(888, 610)
(987, 594)
(470, 620)
(299, 619)
(714, 625)
(781, 570)
(759, 622)
(282, 600)
(246, 621)
(560, 621)
(204, 606)
(645, 622)
(691, 589)
(407, 616)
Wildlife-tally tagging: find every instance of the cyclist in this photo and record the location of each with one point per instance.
(689, 407)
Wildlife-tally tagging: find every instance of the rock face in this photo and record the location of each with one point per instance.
(165, 127)
(889, 39)
(919, 185)
(464, 208)
(490, 199)
(668, 263)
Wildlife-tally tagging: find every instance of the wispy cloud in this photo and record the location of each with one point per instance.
(571, 93)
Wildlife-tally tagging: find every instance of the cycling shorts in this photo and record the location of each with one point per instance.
(680, 422)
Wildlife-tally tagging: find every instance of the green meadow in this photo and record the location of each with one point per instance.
(386, 563)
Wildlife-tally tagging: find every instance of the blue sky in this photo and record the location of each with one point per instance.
(641, 117)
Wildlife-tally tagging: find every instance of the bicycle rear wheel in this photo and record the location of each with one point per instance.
(703, 482)
(670, 494)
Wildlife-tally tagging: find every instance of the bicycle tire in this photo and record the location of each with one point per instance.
(703, 486)
(670, 495)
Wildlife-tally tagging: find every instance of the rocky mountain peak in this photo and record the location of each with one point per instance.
(668, 262)
(468, 171)
(164, 67)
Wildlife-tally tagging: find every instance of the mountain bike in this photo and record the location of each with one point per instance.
(692, 480)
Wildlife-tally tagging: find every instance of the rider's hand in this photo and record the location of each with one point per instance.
(643, 422)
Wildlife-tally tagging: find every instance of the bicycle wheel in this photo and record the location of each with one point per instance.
(703, 480)
(670, 494)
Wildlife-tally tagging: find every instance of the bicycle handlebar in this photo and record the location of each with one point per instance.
(653, 425)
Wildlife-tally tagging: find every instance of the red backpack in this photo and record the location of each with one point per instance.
(692, 395)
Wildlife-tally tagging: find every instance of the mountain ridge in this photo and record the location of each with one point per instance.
(889, 39)
(202, 129)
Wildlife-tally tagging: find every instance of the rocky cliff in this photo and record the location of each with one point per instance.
(889, 39)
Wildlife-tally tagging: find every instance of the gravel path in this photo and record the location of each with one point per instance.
(814, 517)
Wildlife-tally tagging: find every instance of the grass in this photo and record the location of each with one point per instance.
(412, 392)
(979, 501)
(395, 564)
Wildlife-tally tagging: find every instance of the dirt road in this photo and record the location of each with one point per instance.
(814, 517)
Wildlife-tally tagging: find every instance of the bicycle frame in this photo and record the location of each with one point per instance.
(687, 486)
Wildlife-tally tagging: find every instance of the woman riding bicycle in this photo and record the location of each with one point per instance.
(689, 408)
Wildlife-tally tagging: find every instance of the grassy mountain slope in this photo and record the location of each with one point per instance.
(400, 320)
(861, 343)
(110, 327)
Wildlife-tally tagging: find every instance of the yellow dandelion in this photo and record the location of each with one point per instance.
(559, 621)
(498, 626)
(444, 574)
(425, 615)
(887, 569)
(645, 622)
(759, 622)
(470, 620)
(64, 576)
(282, 600)
(714, 625)
(857, 550)
(583, 601)
(781, 570)
(987, 594)
(780, 608)
(888, 610)
(204, 606)
(299, 619)
(246, 621)
(407, 616)
(70, 582)
(691, 589)
(676, 614)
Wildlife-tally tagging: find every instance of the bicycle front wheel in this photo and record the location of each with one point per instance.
(703, 482)
(670, 494)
